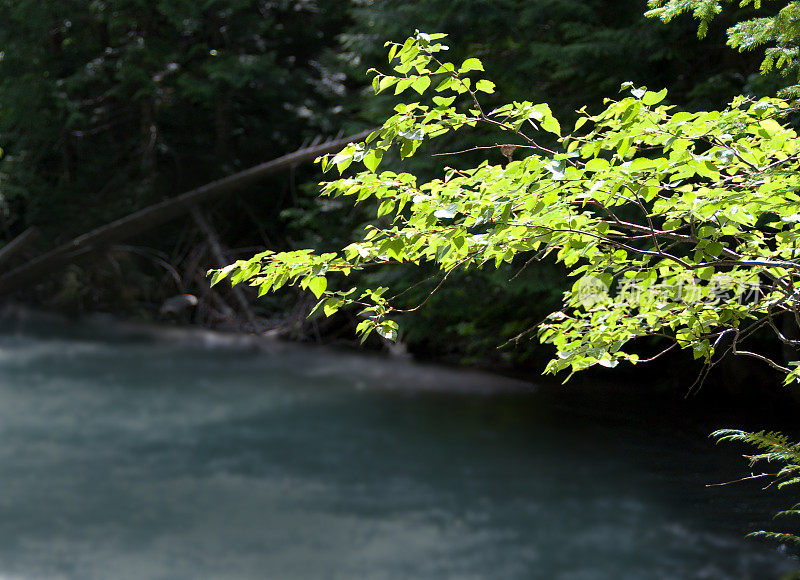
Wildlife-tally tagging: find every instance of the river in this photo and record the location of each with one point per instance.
(190, 456)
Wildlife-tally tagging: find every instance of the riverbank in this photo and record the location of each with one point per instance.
(392, 372)
(622, 391)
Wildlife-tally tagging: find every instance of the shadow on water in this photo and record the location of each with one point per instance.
(165, 458)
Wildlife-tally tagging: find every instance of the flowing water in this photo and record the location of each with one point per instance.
(174, 459)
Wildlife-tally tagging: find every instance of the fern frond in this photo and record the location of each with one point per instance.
(775, 447)
(793, 481)
(766, 440)
(780, 32)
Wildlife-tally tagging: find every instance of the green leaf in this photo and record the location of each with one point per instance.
(388, 333)
(596, 164)
(421, 84)
(385, 83)
(650, 98)
(714, 249)
(443, 101)
(331, 306)
(403, 84)
(317, 285)
(342, 160)
(485, 86)
(705, 273)
(551, 125)
(372, 159)
(470, 64)
(447, 83)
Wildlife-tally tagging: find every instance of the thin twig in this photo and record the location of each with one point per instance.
(478, 147)
(741, 479)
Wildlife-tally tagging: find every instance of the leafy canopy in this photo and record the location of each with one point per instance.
(673, 224)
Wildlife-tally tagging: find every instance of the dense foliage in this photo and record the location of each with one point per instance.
(671, 206)
(568, 53)
(110, 105)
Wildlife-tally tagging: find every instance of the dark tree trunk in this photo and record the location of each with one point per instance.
(18, 244)
(155, 215)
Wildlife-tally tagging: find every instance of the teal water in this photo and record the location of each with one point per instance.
(168, 459)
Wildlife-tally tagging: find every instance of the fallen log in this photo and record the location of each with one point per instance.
(155, 215)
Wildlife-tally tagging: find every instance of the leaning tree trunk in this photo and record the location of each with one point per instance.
(155, 215)
(18, 244)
